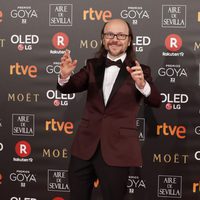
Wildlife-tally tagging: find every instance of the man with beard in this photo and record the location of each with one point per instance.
(106, 144)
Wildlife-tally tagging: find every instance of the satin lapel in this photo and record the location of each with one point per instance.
(119, 80)
(99, 70)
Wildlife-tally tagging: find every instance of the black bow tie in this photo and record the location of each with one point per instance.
(110, 63)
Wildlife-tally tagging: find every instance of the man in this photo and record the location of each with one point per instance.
(106, 143)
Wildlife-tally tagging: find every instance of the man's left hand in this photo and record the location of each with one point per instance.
(137, 74)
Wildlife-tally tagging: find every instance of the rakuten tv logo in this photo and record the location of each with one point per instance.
(97, 15)
(58, 198)
(60, 40)
(173, 42)
(1, 178)
(1, 16)
(24, 42)
(174, 101)
(23, 70)
(171, 130)
(23, 149)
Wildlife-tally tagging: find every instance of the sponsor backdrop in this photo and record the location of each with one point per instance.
(38, 124)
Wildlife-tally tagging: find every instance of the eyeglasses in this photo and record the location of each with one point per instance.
(120, 36)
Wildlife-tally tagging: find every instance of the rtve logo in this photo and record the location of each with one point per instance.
(19, 70)
(173, 42)
(23, 149)
(56, 126)
(94, 15)
(198, 16)
(170, 130)
(196, 187)
(60, 40)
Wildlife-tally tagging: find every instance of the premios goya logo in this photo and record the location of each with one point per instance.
(24, 13)
(135, 14)
(23, 177)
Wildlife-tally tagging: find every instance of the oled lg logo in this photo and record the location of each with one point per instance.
(23, 70)
(173, 72)
(174, 16)
(24, 42)
(60, 41)
(58, 98)
(23, 150)
(173, 43)
(60, 14)
(141, 42)
(174, 101)
(97, 15)
(24, 13)
(135, 14)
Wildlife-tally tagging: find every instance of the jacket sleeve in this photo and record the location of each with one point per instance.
(154, 99)
(77, 83)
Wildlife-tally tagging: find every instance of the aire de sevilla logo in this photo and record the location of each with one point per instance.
(60, 40)
(173, 42)
(23, 149)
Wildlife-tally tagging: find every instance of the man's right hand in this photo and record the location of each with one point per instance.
(67, 65)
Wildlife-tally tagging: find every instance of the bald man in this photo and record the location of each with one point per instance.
(106, 144)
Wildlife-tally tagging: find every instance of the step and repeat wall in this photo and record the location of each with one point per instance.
(38, 124)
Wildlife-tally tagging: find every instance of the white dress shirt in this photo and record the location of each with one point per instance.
(110, 76)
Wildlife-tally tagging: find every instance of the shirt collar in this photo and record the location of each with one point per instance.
(122, 57)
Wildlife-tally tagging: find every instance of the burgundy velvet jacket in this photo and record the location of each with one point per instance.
(113, 125)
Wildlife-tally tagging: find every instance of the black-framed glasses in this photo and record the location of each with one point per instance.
(120, 36)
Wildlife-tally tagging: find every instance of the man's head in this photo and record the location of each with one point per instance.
(117, 38)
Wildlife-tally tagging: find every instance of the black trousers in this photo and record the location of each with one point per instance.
(83, 173)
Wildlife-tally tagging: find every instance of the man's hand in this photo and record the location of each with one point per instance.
(67, 65)
(137, 75)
